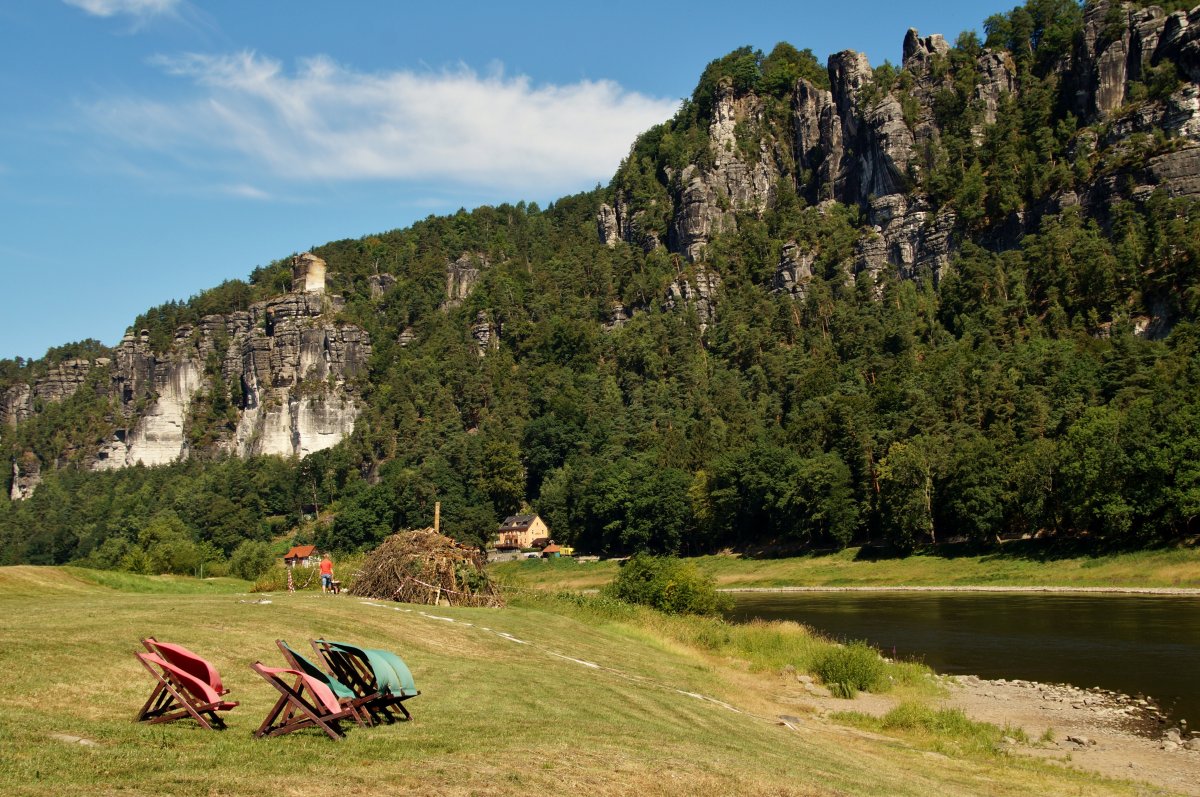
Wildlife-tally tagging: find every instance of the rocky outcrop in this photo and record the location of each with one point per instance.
(308, 273)
(618, 316)
(817, 147)
(462, 275)
(292, 373)
(62, 380)
(794, 271)
(26, 476)
(696, 291)
(16, 405)
(616, 223)
(744, 175)
(916, 49)
(1180, 42)
(997, 77)
(608, 225)
(485, 333)
(906, 237)
(297, 377)
(379, 284)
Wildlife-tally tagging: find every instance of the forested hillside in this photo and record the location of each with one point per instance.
(955, 298)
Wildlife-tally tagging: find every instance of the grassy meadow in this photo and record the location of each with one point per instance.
(1174, 567)
(553, 695)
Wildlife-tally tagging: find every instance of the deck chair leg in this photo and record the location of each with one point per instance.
(153, 705)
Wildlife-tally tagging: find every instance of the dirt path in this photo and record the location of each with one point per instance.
(1104, 732)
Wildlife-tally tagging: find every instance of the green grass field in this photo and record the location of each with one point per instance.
(1176, 567)
(551, 696)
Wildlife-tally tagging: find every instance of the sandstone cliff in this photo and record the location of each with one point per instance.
(292, 372)
(863, 144)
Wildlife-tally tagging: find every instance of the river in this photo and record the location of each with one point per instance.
(1132, 644)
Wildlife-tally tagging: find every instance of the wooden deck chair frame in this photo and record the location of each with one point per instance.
(356, 672)
(356, 703)
(178, 694)
(304, 702)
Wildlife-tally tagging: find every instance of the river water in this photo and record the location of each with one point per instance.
(1130, 643)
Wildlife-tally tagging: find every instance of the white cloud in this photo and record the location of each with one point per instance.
(326, 122)
(246, 191)
(133, 8)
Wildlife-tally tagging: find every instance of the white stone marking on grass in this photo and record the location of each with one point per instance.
(577, 661)
(438, 617)
(511, 638)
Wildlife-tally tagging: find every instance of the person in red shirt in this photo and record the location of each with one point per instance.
(326, 573)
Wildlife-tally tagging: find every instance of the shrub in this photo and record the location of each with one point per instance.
(847, 669)
(667, 584)
(251, 559)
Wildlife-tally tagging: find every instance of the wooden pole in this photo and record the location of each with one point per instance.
(437, 517)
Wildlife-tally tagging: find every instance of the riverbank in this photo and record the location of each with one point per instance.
(1110, 734)
(548, 696)
(1022, 566)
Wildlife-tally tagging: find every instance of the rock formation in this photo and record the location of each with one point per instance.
(461, 276)
(794, 271)
(698, 291)
(292, 371)
(860, 145)
(27, 475)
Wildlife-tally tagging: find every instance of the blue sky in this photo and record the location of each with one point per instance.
(152, 148)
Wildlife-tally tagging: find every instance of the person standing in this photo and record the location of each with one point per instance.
(326, 573)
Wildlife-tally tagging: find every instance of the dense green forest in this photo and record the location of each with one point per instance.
(1011, 396)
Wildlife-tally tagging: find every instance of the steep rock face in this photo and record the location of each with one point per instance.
(1180, 42)
(62, 380)
(379, 284)
(27, 475)
(817, 148)
(1105, 61)
(905, 237)
(295, 370)
(738, 180)
(16, 405)
(998, 77)
(462, 275)
(291, 371)
(486, 333)
(698, 291)
(617, 222)
(794, 271)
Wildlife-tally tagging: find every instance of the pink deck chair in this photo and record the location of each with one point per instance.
(178, 694)
(304, 702)
(187, 661)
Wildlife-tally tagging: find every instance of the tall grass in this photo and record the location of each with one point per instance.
(762, 645)
(345, 570)
(947, 731)
(848, 669)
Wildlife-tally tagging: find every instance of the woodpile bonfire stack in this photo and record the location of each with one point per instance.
(425, 567)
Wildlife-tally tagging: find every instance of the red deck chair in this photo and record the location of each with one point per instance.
(188, 661)
(304, 702)
(178, 694)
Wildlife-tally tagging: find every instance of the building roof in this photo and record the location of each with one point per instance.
(300, 552)
(517, 522)
(552, 549)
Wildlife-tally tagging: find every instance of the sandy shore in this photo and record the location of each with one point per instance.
(1190, 592)
(1096, 730)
